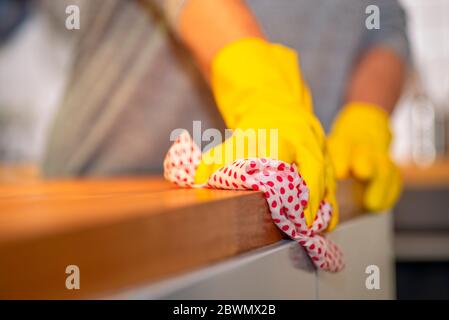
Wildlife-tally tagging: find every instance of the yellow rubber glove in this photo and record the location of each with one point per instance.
(359, 146)
(257, 85)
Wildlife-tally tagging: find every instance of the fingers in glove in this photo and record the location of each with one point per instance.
(340, 155)
(395, 188)
(312, 170)
(331, 192)
(380, 187)
(211, 161)
(362, 163)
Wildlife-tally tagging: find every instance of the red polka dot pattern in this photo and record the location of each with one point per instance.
(285, 190)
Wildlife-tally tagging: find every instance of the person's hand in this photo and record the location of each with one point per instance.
(257, 85)
(359, 146)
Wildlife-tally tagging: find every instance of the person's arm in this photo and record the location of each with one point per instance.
(207, 26)
(360, 137)
(377, 79)
(257, 85)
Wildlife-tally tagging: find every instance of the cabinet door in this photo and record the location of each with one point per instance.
(366, 241)
(280, 271)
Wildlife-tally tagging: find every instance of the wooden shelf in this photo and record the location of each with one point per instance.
(126, 231)
(435, 175)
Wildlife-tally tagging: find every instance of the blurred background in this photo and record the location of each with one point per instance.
(421, 146)
(36, 57)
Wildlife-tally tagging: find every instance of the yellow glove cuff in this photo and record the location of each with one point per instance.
(252, 73)
(373, 119)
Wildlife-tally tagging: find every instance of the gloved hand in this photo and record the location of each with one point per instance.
(257, 85)
(359, 146)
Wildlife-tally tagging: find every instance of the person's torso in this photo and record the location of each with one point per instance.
(133, 84)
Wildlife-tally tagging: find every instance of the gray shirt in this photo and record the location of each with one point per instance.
(133, 82)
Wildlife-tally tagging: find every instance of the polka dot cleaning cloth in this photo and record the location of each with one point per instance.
(285, 191)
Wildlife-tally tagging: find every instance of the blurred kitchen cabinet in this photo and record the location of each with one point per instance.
(367, 243)
(424, 202)
(280, 271)
(422, 214)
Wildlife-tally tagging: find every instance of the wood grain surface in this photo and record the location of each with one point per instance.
(434, 175)
(125, 231)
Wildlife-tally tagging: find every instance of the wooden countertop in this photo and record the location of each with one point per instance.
(432, 176)
(125, 231)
